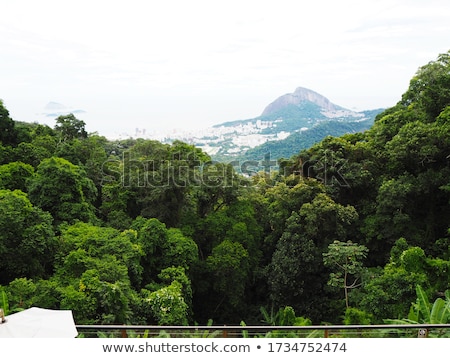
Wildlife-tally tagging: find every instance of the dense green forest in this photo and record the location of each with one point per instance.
(351, 230)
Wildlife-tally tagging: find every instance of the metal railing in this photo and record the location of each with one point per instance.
(325, 331)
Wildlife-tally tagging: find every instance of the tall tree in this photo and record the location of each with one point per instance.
(14, 175)
(97, 270)
(27, 239)
(390, 291)
(296, 274)
(346, 261)
(69, 127)
(429, 89)
(228, 266)
(8, 134)
(64, 190)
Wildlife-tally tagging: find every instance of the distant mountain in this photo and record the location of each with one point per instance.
(300, 96)
(292, 122)
(55, 109)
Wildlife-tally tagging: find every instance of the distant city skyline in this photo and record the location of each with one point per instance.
(180, 65)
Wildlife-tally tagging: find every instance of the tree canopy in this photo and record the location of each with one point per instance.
(353, 229)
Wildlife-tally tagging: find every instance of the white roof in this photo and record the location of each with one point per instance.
(39, 323)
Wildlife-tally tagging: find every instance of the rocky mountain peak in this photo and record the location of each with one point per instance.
(300, 95)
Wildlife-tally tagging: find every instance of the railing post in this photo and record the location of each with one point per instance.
(123, 333)
(423, 333)
(224, 333)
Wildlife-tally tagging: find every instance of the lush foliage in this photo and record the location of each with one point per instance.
(354, 229)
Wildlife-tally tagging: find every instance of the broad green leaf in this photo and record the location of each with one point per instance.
(4, 301)
(438, 312)
(423, 303)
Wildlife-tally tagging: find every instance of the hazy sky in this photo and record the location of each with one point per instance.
(192, 63)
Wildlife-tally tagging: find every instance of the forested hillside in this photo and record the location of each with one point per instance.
(140, 232)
